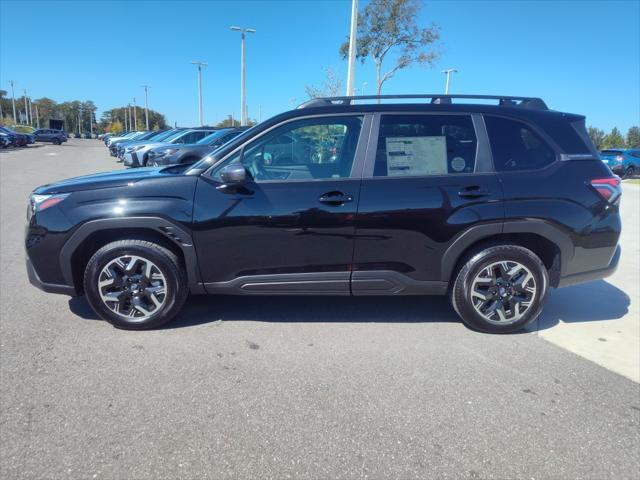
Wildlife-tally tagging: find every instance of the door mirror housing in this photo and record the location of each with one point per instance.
(234, 175)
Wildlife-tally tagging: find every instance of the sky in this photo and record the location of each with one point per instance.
(579, 56)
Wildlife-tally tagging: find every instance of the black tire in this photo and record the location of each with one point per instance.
(56, 141)
(163, 259)
(478, 262)
(628, 173)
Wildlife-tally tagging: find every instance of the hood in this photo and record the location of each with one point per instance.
(116, 178)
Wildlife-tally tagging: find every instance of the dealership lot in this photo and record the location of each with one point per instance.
(310, 387)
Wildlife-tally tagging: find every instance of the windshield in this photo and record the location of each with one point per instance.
(161, 135)
(611, 153)
(213, 136)
(175, 135)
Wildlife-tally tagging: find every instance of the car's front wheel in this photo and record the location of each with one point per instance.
(500, 288)
(629, 172)
(135, 284)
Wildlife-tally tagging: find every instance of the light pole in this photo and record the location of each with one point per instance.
(30, 112)
(135, 115)
(200, 113)
(351, 77)
(146, 104)
(124, 116)
(13, 102)
(364, 84)
(26, 108)
(448, 73)
(91, 122)
(37, 118)
(129, 113)
(243, 98)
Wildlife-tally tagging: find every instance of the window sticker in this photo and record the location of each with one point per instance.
(416, 156)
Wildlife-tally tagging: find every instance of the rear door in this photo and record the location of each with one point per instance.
(428, 178)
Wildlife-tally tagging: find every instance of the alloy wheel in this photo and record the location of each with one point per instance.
(503, 292)
(133, 287)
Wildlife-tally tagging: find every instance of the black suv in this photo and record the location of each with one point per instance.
(491, 204)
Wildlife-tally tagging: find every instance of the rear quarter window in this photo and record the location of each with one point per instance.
(515, 146)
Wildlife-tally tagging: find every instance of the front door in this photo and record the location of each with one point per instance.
(429, 180)
(290, 228)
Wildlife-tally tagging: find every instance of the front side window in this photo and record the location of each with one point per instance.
(309, 149)
(419, 145)
(515, 146)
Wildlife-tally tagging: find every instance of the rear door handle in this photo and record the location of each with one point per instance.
(335, 198)
(473, 192)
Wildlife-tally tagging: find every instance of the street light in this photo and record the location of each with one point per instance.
(26, 108)
(13, 102)
(146, 104)
(351, 72)
(200, 113)
(135, 114)
(243, 98)
(448, 73)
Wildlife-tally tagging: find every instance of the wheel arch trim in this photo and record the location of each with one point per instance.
(479, 233)
(175, 234)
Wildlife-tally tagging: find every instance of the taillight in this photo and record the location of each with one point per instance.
(608, 188)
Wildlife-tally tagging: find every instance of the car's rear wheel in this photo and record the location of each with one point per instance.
(57, 141)
(135, 284)
(500, 288)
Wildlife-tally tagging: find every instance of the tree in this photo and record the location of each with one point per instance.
(633, 137)
(597, 137)
(387, 26)
(614, 139)
(330, 87)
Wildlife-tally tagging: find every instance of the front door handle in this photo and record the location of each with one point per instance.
(335, 198)
(473, 192)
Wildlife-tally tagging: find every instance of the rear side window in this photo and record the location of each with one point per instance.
(418, 145)
(515, 146)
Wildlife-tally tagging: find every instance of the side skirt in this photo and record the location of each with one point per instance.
(358, 283)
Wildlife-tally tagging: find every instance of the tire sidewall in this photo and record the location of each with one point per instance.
(462, 294)
(103, 257)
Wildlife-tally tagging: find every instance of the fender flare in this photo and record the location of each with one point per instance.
(477, 233)
(172, 232)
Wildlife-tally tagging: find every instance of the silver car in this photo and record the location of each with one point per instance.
(135, 155)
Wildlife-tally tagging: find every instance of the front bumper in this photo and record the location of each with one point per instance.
(48, 287)
(588, 276)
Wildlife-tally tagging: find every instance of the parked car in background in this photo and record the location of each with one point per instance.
(20, 139)
(124, 135)
(57, 137)
(5, 141)
(623, 162)
(191, 153)
(114, 145)
(156, 136)
(137, 155)
(31, 138)
(113, 142)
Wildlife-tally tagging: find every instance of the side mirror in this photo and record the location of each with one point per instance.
(233, 175)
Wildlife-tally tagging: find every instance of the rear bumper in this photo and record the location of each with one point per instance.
(591, 275)
(34, 279)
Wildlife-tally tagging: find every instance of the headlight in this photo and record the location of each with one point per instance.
(39, 203)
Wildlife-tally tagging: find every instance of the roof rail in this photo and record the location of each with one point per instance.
(436, 98)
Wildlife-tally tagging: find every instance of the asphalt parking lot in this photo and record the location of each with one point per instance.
(247, 387)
